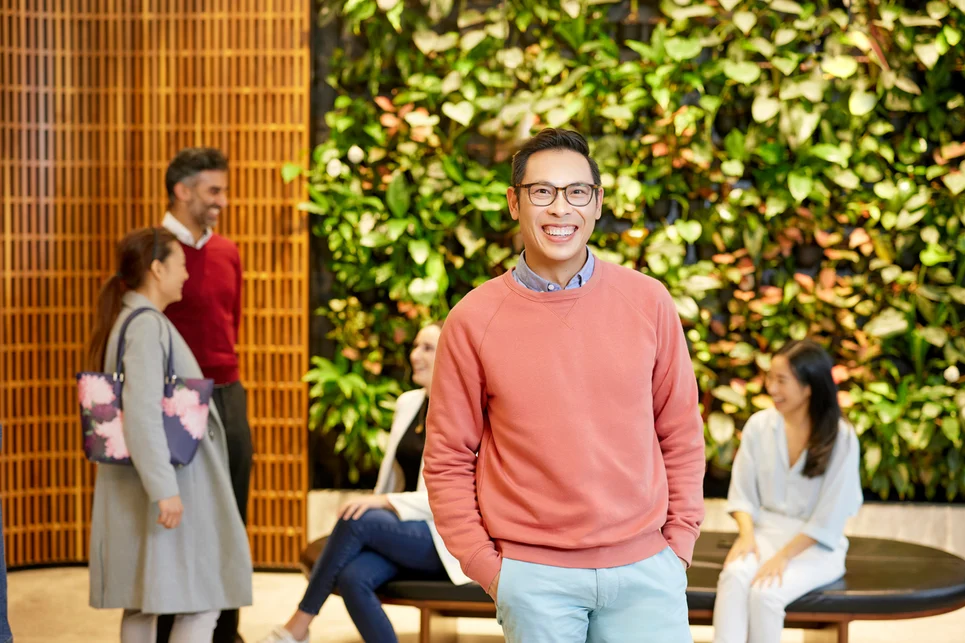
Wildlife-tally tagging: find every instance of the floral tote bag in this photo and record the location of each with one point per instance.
(184, 409)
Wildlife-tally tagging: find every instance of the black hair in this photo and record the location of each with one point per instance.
(190, 162)
(812, 366)
(553, 139)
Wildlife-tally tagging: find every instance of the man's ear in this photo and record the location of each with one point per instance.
(182, 192)
(512, 198)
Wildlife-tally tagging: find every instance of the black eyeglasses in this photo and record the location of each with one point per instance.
(577, 194)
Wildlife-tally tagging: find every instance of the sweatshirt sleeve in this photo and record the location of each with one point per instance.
(455, 428)
(680, 430)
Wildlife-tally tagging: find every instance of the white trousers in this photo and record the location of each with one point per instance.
(745, 614)
(138, 627)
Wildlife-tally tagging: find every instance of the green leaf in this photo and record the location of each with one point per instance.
(786, 6)
(862, 102)
(800, 185)
(937, 10)
(908, 85)
(469, 240)
(935, 336)
(471, 39)
(689, 230)
(728, 394)
(423, 291)
(907, 219)
(927, 53)
(845, 178)
(952, 35)
(745, 21)
(935, 254)
(886, 190)
(429, 41)
(840, 66)
(721, 427)
(729, 5)
(830, 153)
(572, 8)
(617, 113)
(687, 307)
(889, 323)
(681, 49)
(419, 250)
(732, 167)
(955, 182)
(784, 36)
(290, 172)
(764, 108)
(461, 112)
(397, 196)
(786, 66)
(742, 72)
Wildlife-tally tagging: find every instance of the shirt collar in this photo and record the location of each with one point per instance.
(179, 230)
(529, 279)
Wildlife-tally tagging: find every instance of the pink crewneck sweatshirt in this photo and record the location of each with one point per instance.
(582, 407)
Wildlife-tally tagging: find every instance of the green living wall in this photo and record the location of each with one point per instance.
(786, 168)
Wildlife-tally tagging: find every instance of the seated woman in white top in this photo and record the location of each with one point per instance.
(382, 535)
(795, 483)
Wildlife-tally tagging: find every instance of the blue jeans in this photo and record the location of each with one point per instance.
(645, 601)
(359, 557)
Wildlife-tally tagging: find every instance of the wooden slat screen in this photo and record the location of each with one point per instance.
(95, 97)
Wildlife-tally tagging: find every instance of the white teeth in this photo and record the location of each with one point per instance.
(560, 232)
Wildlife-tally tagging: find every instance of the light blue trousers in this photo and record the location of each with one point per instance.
(645, 601)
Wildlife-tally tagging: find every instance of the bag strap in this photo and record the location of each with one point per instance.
(122, 343)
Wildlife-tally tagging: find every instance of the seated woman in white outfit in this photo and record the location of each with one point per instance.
(379, 536)
(795, 483)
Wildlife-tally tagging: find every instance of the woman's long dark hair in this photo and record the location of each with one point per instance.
(812, 366)
(135, 254)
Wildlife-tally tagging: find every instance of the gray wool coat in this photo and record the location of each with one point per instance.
(204, 564)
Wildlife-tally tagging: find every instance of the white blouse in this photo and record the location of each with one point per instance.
(764, 483)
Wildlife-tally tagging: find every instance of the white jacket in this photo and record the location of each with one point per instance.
(412, 505)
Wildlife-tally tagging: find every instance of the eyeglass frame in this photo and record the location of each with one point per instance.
(595, 187)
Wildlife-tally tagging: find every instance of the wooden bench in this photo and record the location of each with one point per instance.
(886, 580)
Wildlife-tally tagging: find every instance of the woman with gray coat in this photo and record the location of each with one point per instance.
(164, 540)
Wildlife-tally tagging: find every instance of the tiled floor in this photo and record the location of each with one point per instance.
(50, 606)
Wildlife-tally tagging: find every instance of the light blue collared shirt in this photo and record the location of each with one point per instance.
(525, 276)
(764, 485)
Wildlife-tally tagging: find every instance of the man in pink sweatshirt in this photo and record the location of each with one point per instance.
(571, 379)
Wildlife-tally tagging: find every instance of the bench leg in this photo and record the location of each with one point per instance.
(437, 629)
(833, 633)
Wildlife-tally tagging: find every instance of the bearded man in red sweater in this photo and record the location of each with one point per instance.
(571, 379)
(209, 315)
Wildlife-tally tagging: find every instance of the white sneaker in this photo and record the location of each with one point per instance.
(281, 635)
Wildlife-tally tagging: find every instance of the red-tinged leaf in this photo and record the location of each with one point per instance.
(771, 294)
(844, 400)
(794, 234)
(350, 353)
(399, 335)
(806, 282)
(840, 373)
(826, 239)
(389, 120)
(827, 278)
(746, 266)
(660, 149)
(743, 295)
(723, 259)
(385, 103)
(717, 327)
(859, 237)
(739, 385)
(826, 296)
(372, 367)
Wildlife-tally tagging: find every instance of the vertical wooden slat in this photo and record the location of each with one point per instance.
(95, 98)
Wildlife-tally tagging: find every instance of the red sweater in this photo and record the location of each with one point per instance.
(209, 313)
(582, 406)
